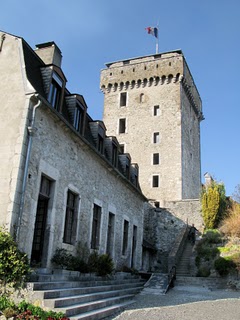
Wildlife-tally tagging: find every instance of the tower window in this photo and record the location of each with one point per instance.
(141, 97)
(123, 99)
(156, 158)
(156, 137)
(122, 125)
(156, 110)
(155, 181)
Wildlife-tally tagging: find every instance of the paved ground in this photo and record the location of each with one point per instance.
(184, 303)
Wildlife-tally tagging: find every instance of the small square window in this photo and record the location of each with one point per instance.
(123, 99)
(122, 125)
(155, 181)
(156, 110)
(156, 137)
(156, 158)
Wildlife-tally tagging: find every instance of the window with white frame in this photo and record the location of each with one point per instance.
(155, 158)
(96, 223)
(156, 137)
(125, 237)
(123, 99)
(155, 181)
(122, 125)
(70, 226)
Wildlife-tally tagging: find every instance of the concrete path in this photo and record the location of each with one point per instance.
(184, 303)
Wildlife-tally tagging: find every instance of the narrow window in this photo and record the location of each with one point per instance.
(156, 158)
(70, 218)
(123, 99)
(96, 227)
(78, 118)
(141, 97)
(55, 91)
(156, 137)
(155, 181)
(134, 246)
(122, 125)
(156, 110)
(110, 234)
(125, 237)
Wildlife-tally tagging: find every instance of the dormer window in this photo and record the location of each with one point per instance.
(114, 155)
(55, 91)
(78, 117)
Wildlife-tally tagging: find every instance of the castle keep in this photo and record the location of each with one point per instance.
(152, 106)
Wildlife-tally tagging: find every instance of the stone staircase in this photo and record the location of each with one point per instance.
(183, 266)
(186, 278)
(85, 297)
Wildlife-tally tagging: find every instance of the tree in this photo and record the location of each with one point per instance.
(14, 265)
(213, 204)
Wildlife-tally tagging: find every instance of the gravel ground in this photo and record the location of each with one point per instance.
(184, 303)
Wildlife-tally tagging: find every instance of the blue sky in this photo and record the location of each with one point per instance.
(91, 33)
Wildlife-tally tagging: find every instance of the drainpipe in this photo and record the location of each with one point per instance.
(24, 182)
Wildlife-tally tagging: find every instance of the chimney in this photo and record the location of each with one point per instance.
(49, 53)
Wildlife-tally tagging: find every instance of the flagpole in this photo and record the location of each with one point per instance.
(157, 40)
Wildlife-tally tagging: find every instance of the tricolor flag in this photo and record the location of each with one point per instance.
(153, 31)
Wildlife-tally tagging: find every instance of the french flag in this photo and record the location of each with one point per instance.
(153, 31)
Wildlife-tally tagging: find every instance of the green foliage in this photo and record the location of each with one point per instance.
(14, 266)
(28, 310)
(61, 258)
(100, 264)
(224, 265)
(214, 204)
(212, 236)
(105, 265)
(203, 272)
(5, 303)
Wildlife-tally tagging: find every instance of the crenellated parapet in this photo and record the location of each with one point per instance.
(141, 83)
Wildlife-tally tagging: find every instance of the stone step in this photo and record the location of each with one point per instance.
(81, 308)
(102, 313)
(76, 284)
(209, 282)
(58, 293)
(84, 298)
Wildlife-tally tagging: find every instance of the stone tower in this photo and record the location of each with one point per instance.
(153, 107)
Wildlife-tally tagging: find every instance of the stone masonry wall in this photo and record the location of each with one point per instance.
(71, 164)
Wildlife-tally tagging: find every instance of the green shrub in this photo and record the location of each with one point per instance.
(93, 262)
(61, 258)
(197, 261)
(223, 266)
(212, 236)
(105, 265)
(14, 265)
(203, 272)
(206, 251)
(30, 311)
(5, 303)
